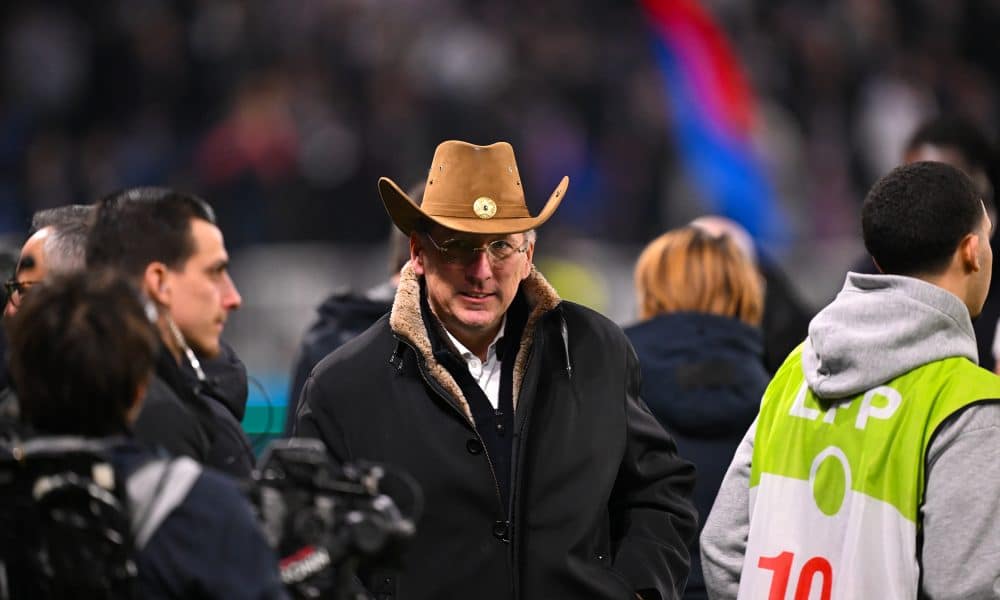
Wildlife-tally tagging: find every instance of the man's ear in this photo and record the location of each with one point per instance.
(968, 249)
(528, 255)
(155, 284)
(416, 254)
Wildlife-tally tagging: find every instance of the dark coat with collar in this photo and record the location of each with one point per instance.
(703, 378)
(599, 498)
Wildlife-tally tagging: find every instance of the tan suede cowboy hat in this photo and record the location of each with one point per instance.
(473, 189)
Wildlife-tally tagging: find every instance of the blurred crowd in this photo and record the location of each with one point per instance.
(280, 112)
(842, 86)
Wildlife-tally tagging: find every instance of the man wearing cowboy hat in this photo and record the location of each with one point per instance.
(544, 474)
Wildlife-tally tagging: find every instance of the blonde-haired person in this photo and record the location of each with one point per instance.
(701, 301)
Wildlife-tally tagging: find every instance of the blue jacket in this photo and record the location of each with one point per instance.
(210, 546)
(703, 377)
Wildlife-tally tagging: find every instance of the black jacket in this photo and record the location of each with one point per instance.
(703, 378)
(340, 318)
(599, 498)
(200, 420)
(786, 316)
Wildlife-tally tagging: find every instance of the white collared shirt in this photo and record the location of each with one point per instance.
(486, 374)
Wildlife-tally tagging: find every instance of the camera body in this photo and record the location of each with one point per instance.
(326, 521)
(64, 524)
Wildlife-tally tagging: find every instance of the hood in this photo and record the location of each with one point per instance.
(703, 375)
(880, 327)
(343, 307)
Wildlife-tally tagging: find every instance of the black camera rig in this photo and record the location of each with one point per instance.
(65, 528)
(327, 521)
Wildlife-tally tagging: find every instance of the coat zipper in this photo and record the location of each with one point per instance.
(447, 398)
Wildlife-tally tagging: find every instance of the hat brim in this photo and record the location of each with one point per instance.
(406, 213)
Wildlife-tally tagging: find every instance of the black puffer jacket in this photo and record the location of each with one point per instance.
(599, 498)
(703, 377)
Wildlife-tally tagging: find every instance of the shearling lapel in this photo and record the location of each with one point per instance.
(406, 321)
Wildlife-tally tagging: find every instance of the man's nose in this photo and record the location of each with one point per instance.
(231, 299)
(479, 268)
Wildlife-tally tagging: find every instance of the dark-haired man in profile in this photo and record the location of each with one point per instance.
(168, 245)
(871, 470)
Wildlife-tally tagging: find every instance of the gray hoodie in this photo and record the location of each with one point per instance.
(880, 327)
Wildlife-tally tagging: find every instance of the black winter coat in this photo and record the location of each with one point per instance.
(703, 377)
(340, 318)
(188, 418)
(599, 498)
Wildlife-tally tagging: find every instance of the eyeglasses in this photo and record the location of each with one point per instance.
(13, 285)
(465, 251)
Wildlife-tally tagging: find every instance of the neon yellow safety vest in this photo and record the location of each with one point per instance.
(835, 490)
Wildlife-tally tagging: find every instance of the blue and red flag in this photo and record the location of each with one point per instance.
(712, 109)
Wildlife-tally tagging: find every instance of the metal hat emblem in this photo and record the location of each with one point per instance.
(485, 208)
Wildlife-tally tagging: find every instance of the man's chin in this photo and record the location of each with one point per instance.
(206, 350)
(478, 321)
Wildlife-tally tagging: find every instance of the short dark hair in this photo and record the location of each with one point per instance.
(915, 216)
(135, 227)
(81, 347)
(66, 248)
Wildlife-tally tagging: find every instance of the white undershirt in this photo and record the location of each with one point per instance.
(486, 374)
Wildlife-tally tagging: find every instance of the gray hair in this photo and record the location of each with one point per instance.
(65, 247)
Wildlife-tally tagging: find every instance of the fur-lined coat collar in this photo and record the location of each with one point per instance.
(406, 322)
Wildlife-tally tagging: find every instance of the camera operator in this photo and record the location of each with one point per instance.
(168, 245)
(82, 353)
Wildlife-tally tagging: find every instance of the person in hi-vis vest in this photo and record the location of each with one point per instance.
(871, 470)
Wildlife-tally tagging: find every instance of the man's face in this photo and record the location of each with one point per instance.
(982, 282)
(470, 297)
(953, 156)
(201, 294)
(31, 268)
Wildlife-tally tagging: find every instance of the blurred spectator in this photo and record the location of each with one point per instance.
(699, 346)
(786, 318)
(344, 315)
(56, 246)
(961, 143)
